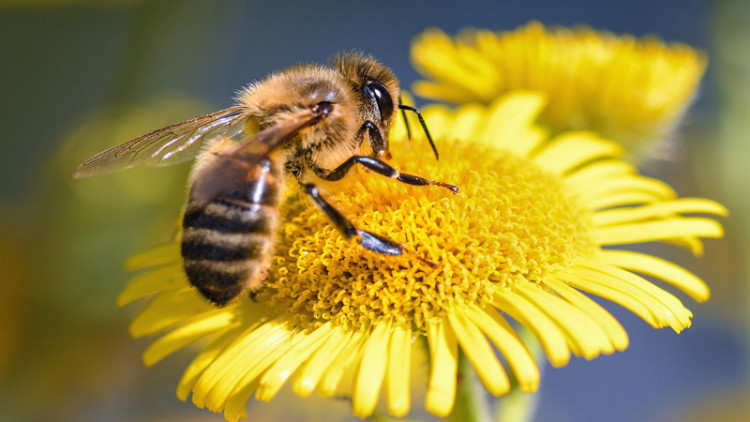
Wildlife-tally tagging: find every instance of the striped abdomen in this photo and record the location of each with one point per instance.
(227, 242)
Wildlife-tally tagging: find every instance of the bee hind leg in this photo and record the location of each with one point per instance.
(255, 290)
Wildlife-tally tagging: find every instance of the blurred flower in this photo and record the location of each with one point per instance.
(16, 285)
(631, 90)
(105, 218)
(530, 231)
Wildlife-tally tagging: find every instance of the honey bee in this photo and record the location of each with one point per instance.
(308, 121)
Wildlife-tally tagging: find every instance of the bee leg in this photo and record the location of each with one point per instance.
(258, 290)
(406, 121)
(365, 239)
(376, 139)
(382, 168)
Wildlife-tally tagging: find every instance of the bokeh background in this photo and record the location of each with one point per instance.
(78, 76)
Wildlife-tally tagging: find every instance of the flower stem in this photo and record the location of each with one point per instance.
(517, 406)
(470, 403)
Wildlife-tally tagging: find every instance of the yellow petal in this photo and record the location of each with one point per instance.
(634, 89)
(276, 376)
(189, 332)
(693, 244)
(236, 405)
(480, 354)
(348, 357)
(604, 184)
(598, 285)
(675, 308)
(511, 119)
(663, 209)
(657, 267)
(371, 371)
(315, 367)
(506, 340)
(166, 277)
(570, 150)
(397, 374)
(529, 141)
(632, 197)
(166, 253)
(232, 393)
(467, 121)
(596, 172)
(204, 358)
(167, 309)
(619, 188)
(587, 337)
(441, 388)
(235, 402)
(662, 308)
(617, 335)
(658, 230)
(546, 331)
(439, 120)
(219, 379)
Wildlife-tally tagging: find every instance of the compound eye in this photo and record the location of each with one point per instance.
(382, 97)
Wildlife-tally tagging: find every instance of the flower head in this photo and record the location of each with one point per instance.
(631, 90)
(528, 234)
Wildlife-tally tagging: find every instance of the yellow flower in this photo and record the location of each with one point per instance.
(530, 231)
(633, 91)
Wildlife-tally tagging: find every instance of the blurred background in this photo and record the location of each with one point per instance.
(79, 76)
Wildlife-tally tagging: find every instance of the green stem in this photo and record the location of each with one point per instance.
(379, 416)
(470, 403)
(517, 406)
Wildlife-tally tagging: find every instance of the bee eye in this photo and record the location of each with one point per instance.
(382, 98)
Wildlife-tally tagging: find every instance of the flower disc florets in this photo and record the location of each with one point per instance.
(510, 224)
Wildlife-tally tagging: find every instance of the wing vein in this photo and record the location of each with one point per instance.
(169, 145)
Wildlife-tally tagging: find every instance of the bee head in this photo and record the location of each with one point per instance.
(377, 90)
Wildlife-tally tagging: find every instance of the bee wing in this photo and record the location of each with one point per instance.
(169, 145)
(233, 169)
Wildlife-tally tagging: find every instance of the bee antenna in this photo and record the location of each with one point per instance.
(406, 121)
(403, 107)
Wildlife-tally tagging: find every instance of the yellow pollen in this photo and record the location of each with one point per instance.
(511, 223)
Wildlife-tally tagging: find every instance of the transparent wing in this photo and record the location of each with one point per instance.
(169, 145)
(231, 169)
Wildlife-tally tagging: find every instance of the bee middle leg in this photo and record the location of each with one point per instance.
(381, 168)
(365, 239)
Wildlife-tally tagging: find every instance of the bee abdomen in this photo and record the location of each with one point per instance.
(220, 282)
(214, 245)
(225, 216)
(226, 246)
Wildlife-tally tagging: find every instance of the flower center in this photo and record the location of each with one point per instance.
(510, 223)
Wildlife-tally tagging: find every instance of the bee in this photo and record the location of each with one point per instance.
(309, 122)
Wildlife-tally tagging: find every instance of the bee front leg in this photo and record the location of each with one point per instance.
(377, 143)
(365, 239)
(381, 168)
